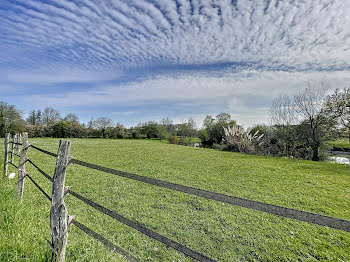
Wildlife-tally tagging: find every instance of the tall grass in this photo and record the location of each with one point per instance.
(20, 232)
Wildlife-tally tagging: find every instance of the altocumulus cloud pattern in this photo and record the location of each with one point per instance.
(142, 44)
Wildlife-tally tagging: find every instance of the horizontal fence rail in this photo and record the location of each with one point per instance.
(60, 219)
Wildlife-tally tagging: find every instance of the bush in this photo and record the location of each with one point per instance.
(153, 130)
(173, 140)
(204, 137)
(94, 133)
(60, 129)
(186, 141)
(135, 134)
(239, 140)
(116, 132)
(219, 146)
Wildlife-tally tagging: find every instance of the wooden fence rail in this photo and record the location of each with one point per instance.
(60, 220)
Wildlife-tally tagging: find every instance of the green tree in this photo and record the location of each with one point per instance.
(32, 118)
(152, 129)
(2, 124)
(215, 127)
(75, 129)
(39, 118)
(187, 129)
(116, 132)
(208, 122)
(10, 119)
(60, 129)
(203, 136)
(338, 106)
(169, 126)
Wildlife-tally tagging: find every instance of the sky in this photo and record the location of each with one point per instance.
(139, 60)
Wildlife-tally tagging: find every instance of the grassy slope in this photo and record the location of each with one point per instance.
(221, 231)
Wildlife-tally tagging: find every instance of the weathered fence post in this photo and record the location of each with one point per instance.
(7, 147)
(19, 138)
(13, 147)
(59, 213)
(21, 165)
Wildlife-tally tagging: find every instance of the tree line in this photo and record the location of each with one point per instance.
(300, 126)
(50, 123)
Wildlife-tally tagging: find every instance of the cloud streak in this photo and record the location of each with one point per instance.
(298, 35)
(214, 53)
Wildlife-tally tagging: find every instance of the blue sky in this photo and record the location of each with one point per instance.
(138, 60)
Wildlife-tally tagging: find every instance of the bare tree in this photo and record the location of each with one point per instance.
(71, 117)
(169, 125)
(283, 111)
(102, 123)
(310, 102)
(310, 105)
(192, 127)
(208, 122)
(304, 119)
(90, 124)
(166, 121)
(283, 117)
(50, 116)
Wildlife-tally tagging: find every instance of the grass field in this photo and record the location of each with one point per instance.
(340, 143)
(220, 231)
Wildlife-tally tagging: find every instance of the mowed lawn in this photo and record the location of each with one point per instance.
(220, 231)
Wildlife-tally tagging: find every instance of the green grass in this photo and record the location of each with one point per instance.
(192, 140)
(340, 143)
(220, 231)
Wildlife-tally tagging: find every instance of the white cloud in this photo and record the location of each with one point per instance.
(246, 95)
(273, 47)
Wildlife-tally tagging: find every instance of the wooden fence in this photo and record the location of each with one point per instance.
(60, 220)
